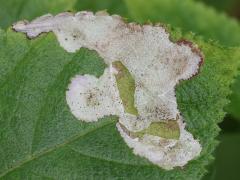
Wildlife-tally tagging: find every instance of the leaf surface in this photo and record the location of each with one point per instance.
(41, 139)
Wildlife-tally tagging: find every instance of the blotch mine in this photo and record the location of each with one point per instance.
(139, 88)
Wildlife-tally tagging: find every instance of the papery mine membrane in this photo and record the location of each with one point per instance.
(156, 64)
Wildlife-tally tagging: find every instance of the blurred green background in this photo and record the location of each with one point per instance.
(216, 20)
(227, 162)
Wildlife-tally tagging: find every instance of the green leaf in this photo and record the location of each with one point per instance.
(41, 139)
(227, 161)
(195, 17)
(168, 130)
(229, 6)
(13, 10)
(112, 6)
(126, 87)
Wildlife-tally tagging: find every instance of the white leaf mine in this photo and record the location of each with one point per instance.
(156, 63)
(91, 98)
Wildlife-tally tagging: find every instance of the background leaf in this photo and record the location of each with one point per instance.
(14, 10)
(112, 6)
(226, 165)
(231, 7)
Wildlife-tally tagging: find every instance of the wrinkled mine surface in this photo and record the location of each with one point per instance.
(150, 67)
